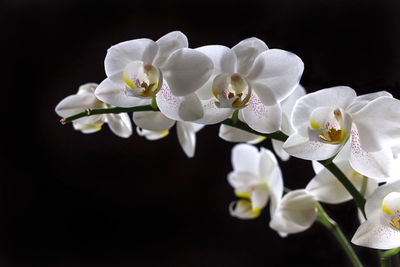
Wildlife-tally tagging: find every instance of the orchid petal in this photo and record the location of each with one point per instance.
(75, 104)
(378, 123)
(190, 109)
(89, 128)
(153, 121)
(243, 209)
(259, 199)
(288, 103)
(265, 93)
(118, 56)
(205, 92)
(376, 236)
(372, 164)
(242, 179)
(197, 127)
(120, 124)
(87, 88)
(186, 70)
(232, 134)
(223, 58)
(246, 51)
(168, 44)
(297, 212)
(326, 188)
(152, 135)
(287, 106)
(264, 119)
(362, 100)
(245, 157)
(267, 163)
(318, 167)
(302, 147)
(186, 137)
(213, 114)
(114, 94)
(278, 148)
(269, 170)
(278, 71)
(187, 108)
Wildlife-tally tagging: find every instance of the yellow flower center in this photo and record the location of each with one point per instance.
(395, 223)
(330, 124)
(391, 209)
(142, 80)
(231, 91)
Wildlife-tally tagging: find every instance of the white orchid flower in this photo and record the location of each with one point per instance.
(86, 99)
(326, 119)
(381, 230)
(154, 126)
(256, 178)
(296, 212)
(250, 78)
(138, 69)
(232, 134)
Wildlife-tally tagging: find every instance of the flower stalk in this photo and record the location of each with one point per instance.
(115, 110)
(387, 257)
(278, 135)
(332, 226)
(390, 253)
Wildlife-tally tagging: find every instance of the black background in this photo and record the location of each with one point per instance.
(69, 199)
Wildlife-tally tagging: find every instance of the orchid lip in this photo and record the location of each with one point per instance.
(231, 91)
(328, 125)
(391, 210)
(142, 80)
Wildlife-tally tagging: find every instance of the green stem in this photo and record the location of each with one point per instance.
(235, 117)
(154, 103)
(332, 226)
(386, 261)
(243, 126)
(390, 253)
(389, 257)
(358, 198)
(364, 185)
(90, 112)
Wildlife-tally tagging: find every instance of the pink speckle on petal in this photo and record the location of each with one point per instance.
(167, 95)
(259, 109)
(314, 146)
(211, 104)
(356, 146)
